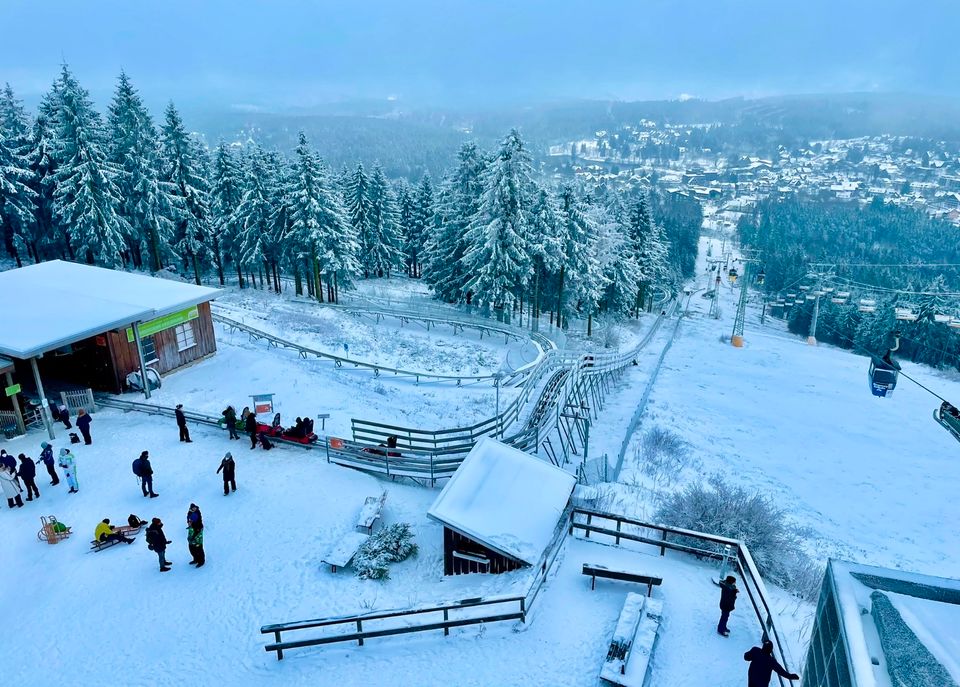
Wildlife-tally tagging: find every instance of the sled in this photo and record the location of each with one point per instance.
(125, 530)
(52, 530)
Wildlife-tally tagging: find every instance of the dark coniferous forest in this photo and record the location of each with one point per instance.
(126, 191)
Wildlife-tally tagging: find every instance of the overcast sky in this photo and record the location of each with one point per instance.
(283, 53)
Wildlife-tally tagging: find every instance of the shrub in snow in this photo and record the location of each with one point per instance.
(390, 545)
(718, 507)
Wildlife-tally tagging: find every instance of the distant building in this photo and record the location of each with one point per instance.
(877, 627)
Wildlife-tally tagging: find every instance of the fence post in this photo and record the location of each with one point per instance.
(589, 520)
(663, 537)
(523, 610)
(91, 401)
(619, 522)
(359, 629)
(276, 634)
(446, 630)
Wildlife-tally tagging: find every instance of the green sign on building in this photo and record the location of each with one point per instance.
(11, 390)
(165, 322)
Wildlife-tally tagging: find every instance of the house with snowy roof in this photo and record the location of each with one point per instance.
(500, 510)
(877, 627)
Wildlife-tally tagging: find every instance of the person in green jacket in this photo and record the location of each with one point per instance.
(195, 544)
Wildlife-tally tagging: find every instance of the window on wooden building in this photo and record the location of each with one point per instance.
(149, 350)
(185, 338)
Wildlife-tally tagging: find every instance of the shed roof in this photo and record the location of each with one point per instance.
(507, 500)
(56, 303)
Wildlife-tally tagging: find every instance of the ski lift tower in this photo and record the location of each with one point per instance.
(820, 272)
(749, 257)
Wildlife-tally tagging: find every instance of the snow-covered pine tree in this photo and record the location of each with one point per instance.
(87, 201)
(225, 197)
(580, 274)
(342, 246)
(150, 204)
(253, 218)
(459, 200)
(497, 258)
(421, 222)
(622, 270)
(650, 248)
(48, 238)
(547, 247)
(17, 198)
(356, 195)
(182, 168)
(384, 254)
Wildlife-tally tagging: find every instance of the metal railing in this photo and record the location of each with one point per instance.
(635, 531)
(377, 369)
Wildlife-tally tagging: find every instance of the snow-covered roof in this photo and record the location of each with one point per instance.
(56, 303)
(507, 500)
(877, 647)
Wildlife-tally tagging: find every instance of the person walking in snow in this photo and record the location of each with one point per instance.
(11, 487)
(27, 474)
(144, 470)
(182, 424)
(195, 542)
(728, 600)
(229, 468)
(250, 426)
(46, 455)
(157, 542)
(83, 424)
(763, 665)
(230, 418)
(69, 468)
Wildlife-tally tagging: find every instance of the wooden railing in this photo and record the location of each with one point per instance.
(621, 528)
(383, 624)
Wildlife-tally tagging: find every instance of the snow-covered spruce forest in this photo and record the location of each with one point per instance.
(123, 191)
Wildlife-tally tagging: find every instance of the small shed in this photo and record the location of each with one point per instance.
(500, 509)
(92, 326)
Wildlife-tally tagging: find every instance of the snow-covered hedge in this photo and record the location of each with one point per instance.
(390, 545)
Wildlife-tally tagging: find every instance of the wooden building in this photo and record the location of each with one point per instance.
(500, 510)
(91, 327)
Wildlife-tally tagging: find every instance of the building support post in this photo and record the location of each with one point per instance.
(143, 365)
(44, 410)
(16, 406)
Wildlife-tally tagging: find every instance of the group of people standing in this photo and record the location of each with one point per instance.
(157, 541)
(17, 478)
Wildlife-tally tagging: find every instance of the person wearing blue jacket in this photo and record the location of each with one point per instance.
(46, 455)
(69, 469)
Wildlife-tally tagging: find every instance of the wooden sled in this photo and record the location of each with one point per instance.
(52, 530)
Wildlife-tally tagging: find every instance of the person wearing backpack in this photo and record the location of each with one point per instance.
(46, 455)
(229, 468)
(144, 470)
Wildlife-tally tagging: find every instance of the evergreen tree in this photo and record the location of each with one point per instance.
(17, 198)
(648, 246)
(459, 202)
(547, 245)
(418, 230)
(384, 253)
(253, 218)
(225, 197)
(183, 168)
(357, 197)
(87, 201)
(150, 204)
(47, 237)
(621, 269)
(580, 273)
(497, 257)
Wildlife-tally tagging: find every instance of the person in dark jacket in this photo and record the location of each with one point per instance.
(157, 541)
(27, 474)
(194, 516)
(250, 426)
(83, 424)
(728, 600)
(182, 424)
(64, 415)
(46, 455)
(230, 418)
(763, 665)
(229, 468)
(195, 543)
(7, 460)
(146, 475)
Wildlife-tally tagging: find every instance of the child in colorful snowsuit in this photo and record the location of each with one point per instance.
(69, 468)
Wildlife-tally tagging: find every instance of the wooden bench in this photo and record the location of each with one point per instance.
(631, 647)
(595, 571)
(342, 552)
(371, 512)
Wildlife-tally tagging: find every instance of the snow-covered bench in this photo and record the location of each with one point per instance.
(371, 512)
(342, 552)
(595, 571)
(632, 645)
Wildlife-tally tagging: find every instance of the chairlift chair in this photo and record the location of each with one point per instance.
(732, 275)
(884, 372)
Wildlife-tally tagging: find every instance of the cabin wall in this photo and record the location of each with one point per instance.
(454, 541)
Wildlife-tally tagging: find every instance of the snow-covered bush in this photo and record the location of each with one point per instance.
(718, 507)
(390, 545)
